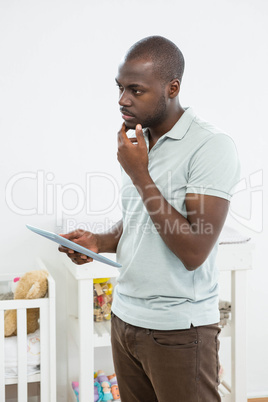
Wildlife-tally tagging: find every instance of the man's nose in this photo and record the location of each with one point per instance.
(124, 99)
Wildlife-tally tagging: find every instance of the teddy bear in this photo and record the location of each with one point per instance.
(32, 285)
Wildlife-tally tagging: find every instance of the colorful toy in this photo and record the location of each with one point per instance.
(75, 385)
(115, 392)
(101, 376)
(15, 283)
(114, 387)
(105, 384)
(112, 378)
(98, 394)
(102, 299)
(104, 390)
(32, 285)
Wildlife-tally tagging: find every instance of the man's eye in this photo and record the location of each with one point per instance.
(137, 91)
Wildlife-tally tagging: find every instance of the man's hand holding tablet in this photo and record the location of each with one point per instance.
(81, 246)
(83, 238)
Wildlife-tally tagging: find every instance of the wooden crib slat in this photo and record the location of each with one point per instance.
(22, 355)
(2, 357)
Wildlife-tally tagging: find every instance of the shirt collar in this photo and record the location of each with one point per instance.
(179, 129)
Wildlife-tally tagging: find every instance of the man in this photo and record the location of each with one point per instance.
(178, 174)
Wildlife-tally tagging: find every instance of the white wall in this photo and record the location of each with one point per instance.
(59, 118)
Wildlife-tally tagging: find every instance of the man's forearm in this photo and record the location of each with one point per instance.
(184, 237)
(166, 219)
(108, 241)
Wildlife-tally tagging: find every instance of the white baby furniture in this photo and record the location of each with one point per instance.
(86, 338)
(89, 336)
(236, 258)
(45, 375)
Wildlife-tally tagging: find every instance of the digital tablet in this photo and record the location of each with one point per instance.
(70, 244)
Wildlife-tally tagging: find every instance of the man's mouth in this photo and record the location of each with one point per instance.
(126, 115)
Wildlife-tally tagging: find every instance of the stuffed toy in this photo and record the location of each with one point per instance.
(105, 385)
(32, 285)
(98, 394)
(104, 390)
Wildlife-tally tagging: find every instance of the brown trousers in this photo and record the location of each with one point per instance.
(166, 366)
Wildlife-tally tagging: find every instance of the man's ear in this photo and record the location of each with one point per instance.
(174, 88)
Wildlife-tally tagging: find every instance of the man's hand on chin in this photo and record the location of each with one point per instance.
(132, 153)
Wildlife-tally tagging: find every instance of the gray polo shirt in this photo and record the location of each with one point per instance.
(154, 288)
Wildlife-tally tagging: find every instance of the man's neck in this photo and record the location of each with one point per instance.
(156, 132)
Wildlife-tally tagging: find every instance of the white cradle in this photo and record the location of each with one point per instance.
(46, 377)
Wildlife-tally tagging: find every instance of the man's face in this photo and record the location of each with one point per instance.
(142, 97)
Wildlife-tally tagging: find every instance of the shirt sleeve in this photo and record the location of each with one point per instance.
(214, 169)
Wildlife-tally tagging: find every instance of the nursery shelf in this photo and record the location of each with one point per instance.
(102, 332)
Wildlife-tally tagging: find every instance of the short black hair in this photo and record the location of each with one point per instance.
(167, 58)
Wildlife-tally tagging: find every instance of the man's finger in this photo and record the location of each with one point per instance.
(133, 140)
(73, 235)
(125, 127)
(85, 257)
(63, 249)
(139, 135)
(122, 134)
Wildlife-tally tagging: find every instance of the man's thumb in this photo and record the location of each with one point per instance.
(73, 235)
